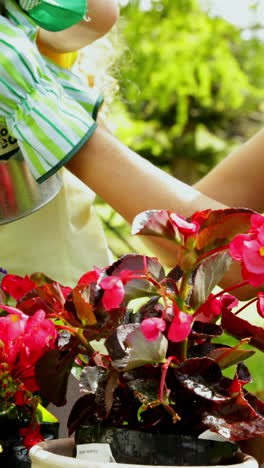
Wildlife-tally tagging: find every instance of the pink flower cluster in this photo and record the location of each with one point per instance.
(214, 306)
(178, 330)
(249, 250)
(114, 286)
(23, 340)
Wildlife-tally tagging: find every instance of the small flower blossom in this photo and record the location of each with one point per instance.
(180, 327)
(114, 292)
(152, 327)
(114, 289)
(31, 435)
(213, 307)
(91, 276)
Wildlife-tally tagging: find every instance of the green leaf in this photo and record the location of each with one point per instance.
(208, 275)
(143, 352)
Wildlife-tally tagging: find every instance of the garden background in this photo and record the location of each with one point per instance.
(191, 89)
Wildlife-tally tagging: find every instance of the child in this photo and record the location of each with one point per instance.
(65, 238)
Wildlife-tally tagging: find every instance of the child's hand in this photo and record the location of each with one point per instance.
(49, 125)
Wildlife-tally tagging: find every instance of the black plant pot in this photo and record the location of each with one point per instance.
(14, 454)
(135, 447)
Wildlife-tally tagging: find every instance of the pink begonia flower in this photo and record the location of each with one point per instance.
(250, 252)
(236, 246)
(17, 286)
(24, 340)
(12, 325)
(257, 226)
(114, 289)
(186, 228)
(152, 327)
(180, 327)
(214, 307)
(260, 304)
(40, 332)
(114, 292)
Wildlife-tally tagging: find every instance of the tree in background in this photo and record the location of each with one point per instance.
(191, 87)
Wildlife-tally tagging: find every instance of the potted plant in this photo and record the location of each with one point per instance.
(160, 381)
(23, 341)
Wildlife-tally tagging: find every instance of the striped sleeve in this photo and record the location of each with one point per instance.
(89, 98)
(49, 125)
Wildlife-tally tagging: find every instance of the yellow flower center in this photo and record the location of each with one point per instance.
(15, 318)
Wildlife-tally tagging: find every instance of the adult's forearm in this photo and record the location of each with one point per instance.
(238, 179)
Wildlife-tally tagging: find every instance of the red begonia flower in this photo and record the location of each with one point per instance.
(214, 307)
(21, 397)
(31, 435)
(152, 327)
(90, 277)
(17, 286)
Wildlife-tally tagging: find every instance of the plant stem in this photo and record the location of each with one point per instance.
(90, 350)
(245, 306)
(165, 367)
(183, 349)
(184, 288)
(211, 252)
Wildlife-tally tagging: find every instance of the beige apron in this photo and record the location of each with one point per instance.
(63, 240)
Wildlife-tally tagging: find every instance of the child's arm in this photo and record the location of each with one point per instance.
(102, 13)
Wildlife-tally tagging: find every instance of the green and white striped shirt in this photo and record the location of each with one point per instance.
(47, 108)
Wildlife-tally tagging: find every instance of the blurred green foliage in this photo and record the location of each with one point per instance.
(190, 86)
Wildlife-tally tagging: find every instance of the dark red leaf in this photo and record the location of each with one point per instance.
(52, 373)
(222, 225)
(240, 328)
